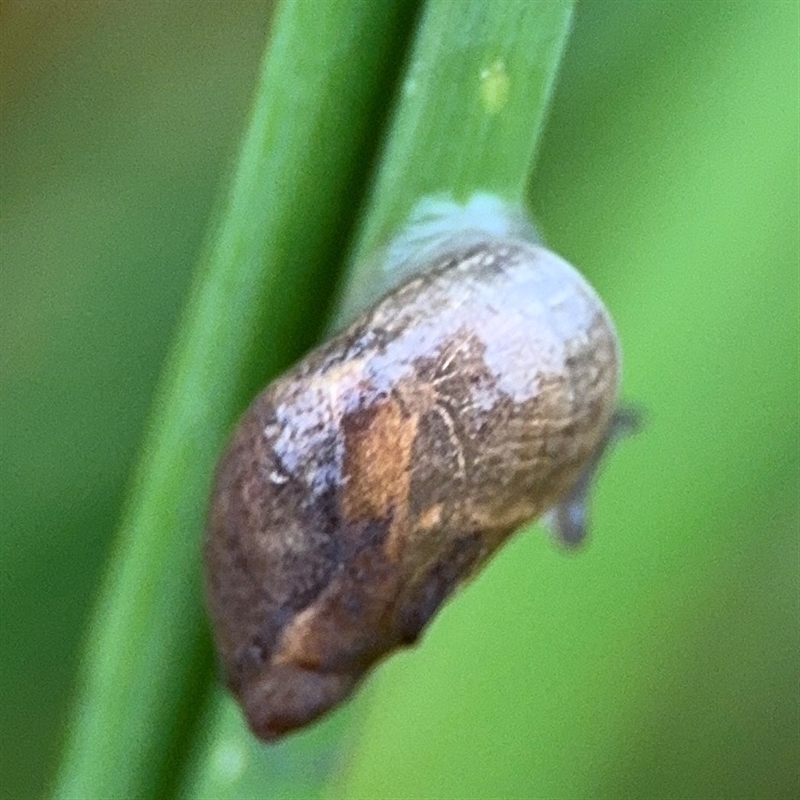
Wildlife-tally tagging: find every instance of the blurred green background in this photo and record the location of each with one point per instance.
(664, 660)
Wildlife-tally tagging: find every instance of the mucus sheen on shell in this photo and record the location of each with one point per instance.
(364, 485)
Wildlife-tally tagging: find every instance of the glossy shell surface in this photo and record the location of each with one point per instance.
(363, 485)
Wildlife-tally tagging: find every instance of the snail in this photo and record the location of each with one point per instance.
(364, 485)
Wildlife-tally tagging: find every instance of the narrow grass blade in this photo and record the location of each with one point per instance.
(258, 300)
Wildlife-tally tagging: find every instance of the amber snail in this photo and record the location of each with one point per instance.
(365, 484)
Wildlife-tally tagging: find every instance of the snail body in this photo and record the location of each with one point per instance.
(365, 484)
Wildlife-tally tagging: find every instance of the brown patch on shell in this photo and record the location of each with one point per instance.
(377, 469)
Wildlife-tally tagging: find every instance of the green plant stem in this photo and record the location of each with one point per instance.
(252, 308)
(470, 110)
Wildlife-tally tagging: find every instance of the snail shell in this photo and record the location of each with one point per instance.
(365, 484)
